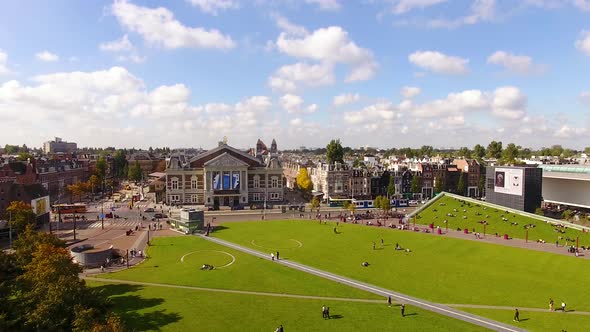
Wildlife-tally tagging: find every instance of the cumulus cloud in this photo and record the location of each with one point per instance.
(518, 64)
(213, 7)
(567, 131)
(380, 113)
(290, 77)
(583, 44)
(330, 45)
(118, 45)
(480, 11)
(3, 63)
(345, 98)
(582, 4)
(404, 6)
(409, 92)
(585, 97)
(509, 103)
(287, 26)
(131, 58)
(325, 4)
(47, 56)
(294, 104)
(439, 63)
(159, 27)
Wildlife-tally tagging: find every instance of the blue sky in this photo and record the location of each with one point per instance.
(447, 73)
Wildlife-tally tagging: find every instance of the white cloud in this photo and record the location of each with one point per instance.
(382, 113)
(325, 4)
(481, 11)
(519, 64)
(284, 24)
(439, 62)
(585, 97)
(294, 104)
(117, 45)
(291, 103)
(409, 92)
(509, 103)
(566, 131)
(159, 27)
(582, 4)
(331, 45)
(296, 122)
(583, 44)
(131, 58)
(346, 98)
(290, 77)
(47, 56)
(3, 63)
(404, 6)
(214, 6)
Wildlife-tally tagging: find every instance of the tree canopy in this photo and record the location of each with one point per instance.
(334, 152)
(303, 180)
(20, 215)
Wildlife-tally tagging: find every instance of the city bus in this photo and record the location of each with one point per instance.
(69, 208)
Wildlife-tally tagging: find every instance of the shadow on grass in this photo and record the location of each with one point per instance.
(524, 319)
(336, 316)
(133, 308)
(411, 314)
(218, 228)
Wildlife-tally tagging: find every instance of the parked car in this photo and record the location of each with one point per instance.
(213, 208)
(149, 210)
(158, 215)
(413, 202)
(237, 207)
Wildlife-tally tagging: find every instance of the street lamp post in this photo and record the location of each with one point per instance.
(102, 215)
(74, 224)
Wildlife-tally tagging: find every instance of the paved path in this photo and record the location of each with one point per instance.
(399, 297)
(478, 306)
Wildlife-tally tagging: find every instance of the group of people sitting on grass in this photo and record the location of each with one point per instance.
(207, 267)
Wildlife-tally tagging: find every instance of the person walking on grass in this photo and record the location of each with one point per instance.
(551, 305)
(403, 309)
(516, 315)
(272, 256)
(563, 306)
(373, 245)
(277, 255)
(324, 312)
(389, 301)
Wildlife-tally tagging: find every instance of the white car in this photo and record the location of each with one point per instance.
(413, 202)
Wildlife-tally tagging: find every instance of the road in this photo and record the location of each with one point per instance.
(399, 297)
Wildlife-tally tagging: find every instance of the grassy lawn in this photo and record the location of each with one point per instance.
(152, 308)
(439, 269)
(538, 321)
(474, 213)
(246, 273)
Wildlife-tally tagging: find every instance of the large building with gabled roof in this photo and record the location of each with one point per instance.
(226, 176)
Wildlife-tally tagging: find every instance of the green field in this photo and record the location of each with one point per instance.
(538, 321)
(247, 273)
(474, 213)
(439, 269)
(152, 308)
(159, 308)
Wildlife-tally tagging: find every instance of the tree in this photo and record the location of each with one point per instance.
(478, 152)
(120, 164)
(135, 172)
(464, 152)
(334, 152)
(438, 185)
(391, 187)
(303, 180)
(461, 185)
(567, 214)
(101, 170)
(385, 204)
(377, 202)
(94, 182)
(20, 214)
(415, 185)
(76, 189)
(24, 156)
(426, 150)
(352, 208)
(556, 150)
(494, 150)
(27, 244)
(510, 154)
(315, 203)
(482, 184)
(587, 150)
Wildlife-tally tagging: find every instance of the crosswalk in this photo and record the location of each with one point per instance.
(118, 222)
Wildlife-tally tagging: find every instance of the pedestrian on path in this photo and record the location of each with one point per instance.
(272, 256)
(516, 315)
(324, 312)
(563, 306)
(403, 309)
(277, 255)
(389, 301)
(551, 305)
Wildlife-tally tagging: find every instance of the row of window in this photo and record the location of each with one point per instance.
(256, 197)
(274, 183)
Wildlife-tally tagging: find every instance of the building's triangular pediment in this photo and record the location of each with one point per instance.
(225, 160)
